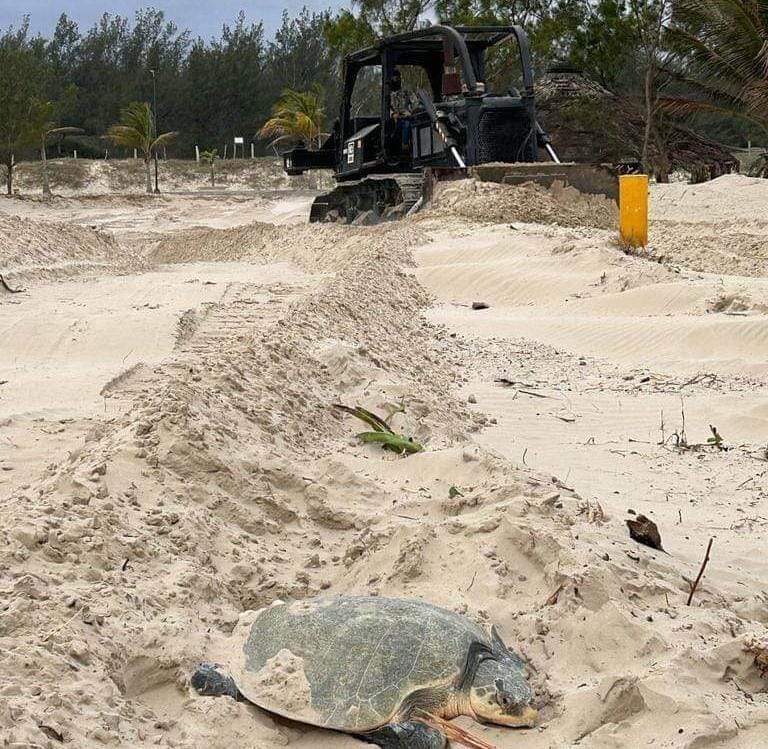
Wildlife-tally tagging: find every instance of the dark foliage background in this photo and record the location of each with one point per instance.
(210, 90)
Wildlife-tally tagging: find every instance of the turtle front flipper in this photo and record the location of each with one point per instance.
(210, 682)
(410, 734)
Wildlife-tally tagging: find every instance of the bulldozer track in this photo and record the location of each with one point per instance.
(242, 309)
(377, 198)
(205, 331)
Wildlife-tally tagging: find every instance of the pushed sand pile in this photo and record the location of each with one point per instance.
(715, 227)
(711, 247)
(316, 247)
(530, 203)
(32, 250)
(732, 198)
(223, 488)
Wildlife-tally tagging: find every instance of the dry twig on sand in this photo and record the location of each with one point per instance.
(695, 583)
(65, 624)
(552, 600)
(594, 512)
(511, 383)
(453, 732)
(533, 394)
(707, 377)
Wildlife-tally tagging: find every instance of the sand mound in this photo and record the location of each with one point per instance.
(530, 203)
(98, 177)
(173, 519)
(320, 247)
(732, 197)
(715, 227)
(33, 250)
(317, 247)
(737, 303)
(710, 247)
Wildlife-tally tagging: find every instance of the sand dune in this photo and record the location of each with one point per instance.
(592, 300)
(724, 346)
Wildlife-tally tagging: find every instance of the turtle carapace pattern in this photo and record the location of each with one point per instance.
(369, 666)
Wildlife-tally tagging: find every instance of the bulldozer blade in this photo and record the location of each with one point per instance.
(594, 179)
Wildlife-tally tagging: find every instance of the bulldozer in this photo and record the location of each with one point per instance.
(386, 162)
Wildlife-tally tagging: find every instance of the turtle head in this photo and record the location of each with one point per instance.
(500, 692)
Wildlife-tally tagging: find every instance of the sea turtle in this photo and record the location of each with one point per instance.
(370, 666)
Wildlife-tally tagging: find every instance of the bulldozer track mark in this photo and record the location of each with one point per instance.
(243, 309)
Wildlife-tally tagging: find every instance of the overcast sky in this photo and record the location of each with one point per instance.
(203, 18)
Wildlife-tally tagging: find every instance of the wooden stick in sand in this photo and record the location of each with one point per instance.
(701, 573)
(453, 732)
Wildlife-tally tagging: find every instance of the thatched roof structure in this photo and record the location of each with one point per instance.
(589, 123)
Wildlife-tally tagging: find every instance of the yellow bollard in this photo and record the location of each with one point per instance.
(633, 210)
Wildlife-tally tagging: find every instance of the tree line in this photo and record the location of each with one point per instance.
(207, 90)
(704, 61)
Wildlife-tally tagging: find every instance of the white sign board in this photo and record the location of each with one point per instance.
(239, 141)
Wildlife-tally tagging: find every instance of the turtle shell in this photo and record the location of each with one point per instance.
(349, 663)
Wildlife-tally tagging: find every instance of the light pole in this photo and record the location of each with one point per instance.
(154, 121)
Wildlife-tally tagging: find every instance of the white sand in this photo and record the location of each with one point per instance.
(219, 480)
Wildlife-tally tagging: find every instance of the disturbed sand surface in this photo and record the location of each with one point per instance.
(169, 457)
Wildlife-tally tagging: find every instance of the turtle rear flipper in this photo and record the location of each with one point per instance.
(210, 682)
(411, 734)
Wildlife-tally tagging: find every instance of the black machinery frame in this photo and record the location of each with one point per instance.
(422, 48)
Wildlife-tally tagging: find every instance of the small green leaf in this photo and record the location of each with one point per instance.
(395, 442)
(716, 439)
(373, 421)
(453, 492)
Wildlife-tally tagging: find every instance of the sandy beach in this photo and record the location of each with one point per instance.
(170, 456)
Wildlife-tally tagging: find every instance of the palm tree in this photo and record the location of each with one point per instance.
(48, 130)
(136, 129)
(721, 48)
(296, 116)
(210, 158)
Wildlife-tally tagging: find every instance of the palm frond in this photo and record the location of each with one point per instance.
(394, 442)
(64, 131)
(721, 51)
(296, 116)
(695, 52)
(124, 135)
(136, 129)
(682, 107)
(366, 416)
(163, 140)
